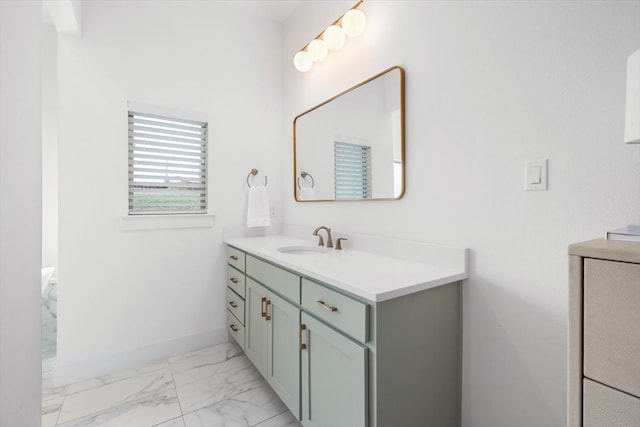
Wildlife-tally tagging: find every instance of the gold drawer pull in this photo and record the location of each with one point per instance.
(303, 346)
(233, 257)
(266, 311)
(233, 327)
(233, 280)
(233, 304)
(326, 307)
(263, 310)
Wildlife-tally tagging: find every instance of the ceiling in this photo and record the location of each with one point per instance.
(273, 10)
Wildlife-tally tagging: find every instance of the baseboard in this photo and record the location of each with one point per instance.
(70, 371)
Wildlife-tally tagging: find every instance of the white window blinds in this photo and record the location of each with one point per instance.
(167, 165)
(352, 171)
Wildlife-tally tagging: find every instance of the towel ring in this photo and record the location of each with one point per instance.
(304, 174)
(254, 172)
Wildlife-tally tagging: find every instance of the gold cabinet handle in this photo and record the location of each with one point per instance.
(303, 346)
(233, 257)
(326, 307)
(233, 280)
(266, 311)
(263, 310)
(233, 327)
(233, 304)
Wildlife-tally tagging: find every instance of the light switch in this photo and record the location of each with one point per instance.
(535, 175)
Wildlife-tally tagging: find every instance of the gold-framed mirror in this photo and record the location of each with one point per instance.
(352, 146)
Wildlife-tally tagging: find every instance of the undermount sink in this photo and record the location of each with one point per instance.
(303, 250)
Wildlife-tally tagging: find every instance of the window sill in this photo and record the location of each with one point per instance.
(160, 222)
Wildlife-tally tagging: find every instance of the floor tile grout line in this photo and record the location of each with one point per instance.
(270, 418)
(118, 380)
(175, 387)
(66, 388)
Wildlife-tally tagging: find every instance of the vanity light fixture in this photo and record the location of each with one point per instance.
(352, 24)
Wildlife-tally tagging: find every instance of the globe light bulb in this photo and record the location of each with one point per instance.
(317, 50)
(333, 37)
(302, 61)
(354, 22)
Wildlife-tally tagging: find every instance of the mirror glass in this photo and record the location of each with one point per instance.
(351, 147)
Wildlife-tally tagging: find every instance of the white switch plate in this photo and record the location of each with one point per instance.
(535, 175)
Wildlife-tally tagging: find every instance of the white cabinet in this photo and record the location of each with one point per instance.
(334, 378)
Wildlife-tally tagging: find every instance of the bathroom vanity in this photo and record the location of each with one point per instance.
(349, 338)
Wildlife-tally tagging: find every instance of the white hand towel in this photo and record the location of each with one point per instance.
(258, 207)
(306, 193)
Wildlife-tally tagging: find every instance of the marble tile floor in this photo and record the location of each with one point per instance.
(215, 386)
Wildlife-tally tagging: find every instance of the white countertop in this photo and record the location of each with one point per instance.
(370, 276)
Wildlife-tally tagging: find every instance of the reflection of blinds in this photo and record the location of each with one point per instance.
(352, 171)
(167, 165)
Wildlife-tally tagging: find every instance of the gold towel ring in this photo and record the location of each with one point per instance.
(254, 172)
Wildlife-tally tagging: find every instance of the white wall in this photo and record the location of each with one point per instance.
(49, 146)
(489, 85)
(129, 296)
(20, 218)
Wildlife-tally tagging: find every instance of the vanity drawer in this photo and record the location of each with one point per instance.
(604, 406)
(341, 311)
(235, 305)
(235, 280)
(235, 328)
(235, 257)
(285, 283)
(612, 324)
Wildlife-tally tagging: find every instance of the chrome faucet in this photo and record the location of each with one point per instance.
(321, 241)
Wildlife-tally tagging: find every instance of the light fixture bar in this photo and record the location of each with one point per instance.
(357, 5)
(352, 24)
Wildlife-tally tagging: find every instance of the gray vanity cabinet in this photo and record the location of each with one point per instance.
(256, 326)
(235, 295)
(338, 360)
(334, 378)
(272, 343)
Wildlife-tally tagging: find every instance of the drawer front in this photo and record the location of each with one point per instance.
(235, 305)
(235, 257)
(235, 280)
(341, 311)
(612, 324)
(604, 406)
(236, 329)
(285, 283)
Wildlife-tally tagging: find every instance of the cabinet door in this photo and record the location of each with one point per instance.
(334, 378)
(283, 371)
(256, 326)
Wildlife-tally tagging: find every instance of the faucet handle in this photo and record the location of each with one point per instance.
(320, 240)
(339, 243)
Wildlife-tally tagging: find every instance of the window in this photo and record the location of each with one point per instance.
(167, 165)
(352, 171)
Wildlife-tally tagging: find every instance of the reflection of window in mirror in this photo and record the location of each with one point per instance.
(352, 165)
